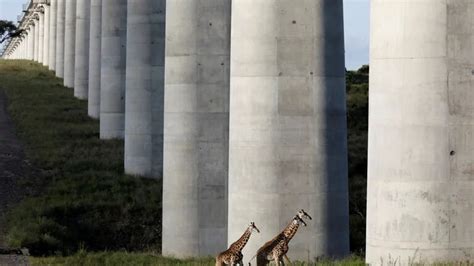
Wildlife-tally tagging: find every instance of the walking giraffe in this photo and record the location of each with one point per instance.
(277, 248)
(233, 255)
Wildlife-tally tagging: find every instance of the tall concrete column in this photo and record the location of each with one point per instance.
(69, 43)
(94, 59)
(22, 46)
(31, 41)
(60, 23)
(288, 147)
(81, 77)
(41, 35)
(196, 127)
(145, 87)
(112, 84)
(36, 42)
(420, 205)
(46, 36)
(52, 34)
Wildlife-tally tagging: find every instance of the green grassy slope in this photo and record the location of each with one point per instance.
(149, 259)
(88, 201)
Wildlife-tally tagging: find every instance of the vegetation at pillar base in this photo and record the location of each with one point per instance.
(151, 259)
(8, 30)
(85, 200)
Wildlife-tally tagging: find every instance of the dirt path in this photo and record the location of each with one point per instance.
(13, 166)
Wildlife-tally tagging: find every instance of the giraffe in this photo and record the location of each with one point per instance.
(233, 255)
(277, 248)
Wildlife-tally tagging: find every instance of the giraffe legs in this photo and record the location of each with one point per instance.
(278, 260)
(261, 261)
(287, 259)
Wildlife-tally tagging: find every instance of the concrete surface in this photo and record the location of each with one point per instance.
(94, 59)
(69, 43)
(52, 34)
(112, 83)
(81, 76)
(421, 126)
(41, 36)
(31, 42)
(196, 127)
(45, 59)
(145, 87)
(36, 42)
(288, 131)
(60, 20)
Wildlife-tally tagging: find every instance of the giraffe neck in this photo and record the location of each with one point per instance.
(290, 230)
(242, 241)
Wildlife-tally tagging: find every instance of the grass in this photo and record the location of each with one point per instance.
(117, 258)
(85, 200)
(151, 259)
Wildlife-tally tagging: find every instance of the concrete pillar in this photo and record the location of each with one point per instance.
(41, 36)
(36, 42)
(22, 46)
(69, 43)
(94, 59)
(31, 41)
(20, 49)
(60, 23)
(46, 36)
(81, 77)
(112, 84)
(420, 198)
(196, 127)
(52, 35)
(288, 147)
(145, 87)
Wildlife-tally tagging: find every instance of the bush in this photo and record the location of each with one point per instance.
(357, 124)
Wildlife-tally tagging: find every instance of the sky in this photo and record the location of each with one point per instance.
(356, 23)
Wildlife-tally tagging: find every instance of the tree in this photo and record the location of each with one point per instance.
(8, 30)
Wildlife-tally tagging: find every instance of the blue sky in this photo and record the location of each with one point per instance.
(356, 21)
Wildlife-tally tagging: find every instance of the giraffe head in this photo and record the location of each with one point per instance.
(252, 227)
(298, 220)
(302, 214)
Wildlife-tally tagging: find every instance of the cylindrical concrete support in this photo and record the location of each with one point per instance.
(81, 77)
(420, 205)
(36, 42)
(94, 59)
(52, 34)
(60, 12)
(45, 60)
(69, 43)
(145, 87)
(288, 147)
(41, 36)
(31, 42)
(113, 54)
(196, 127)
